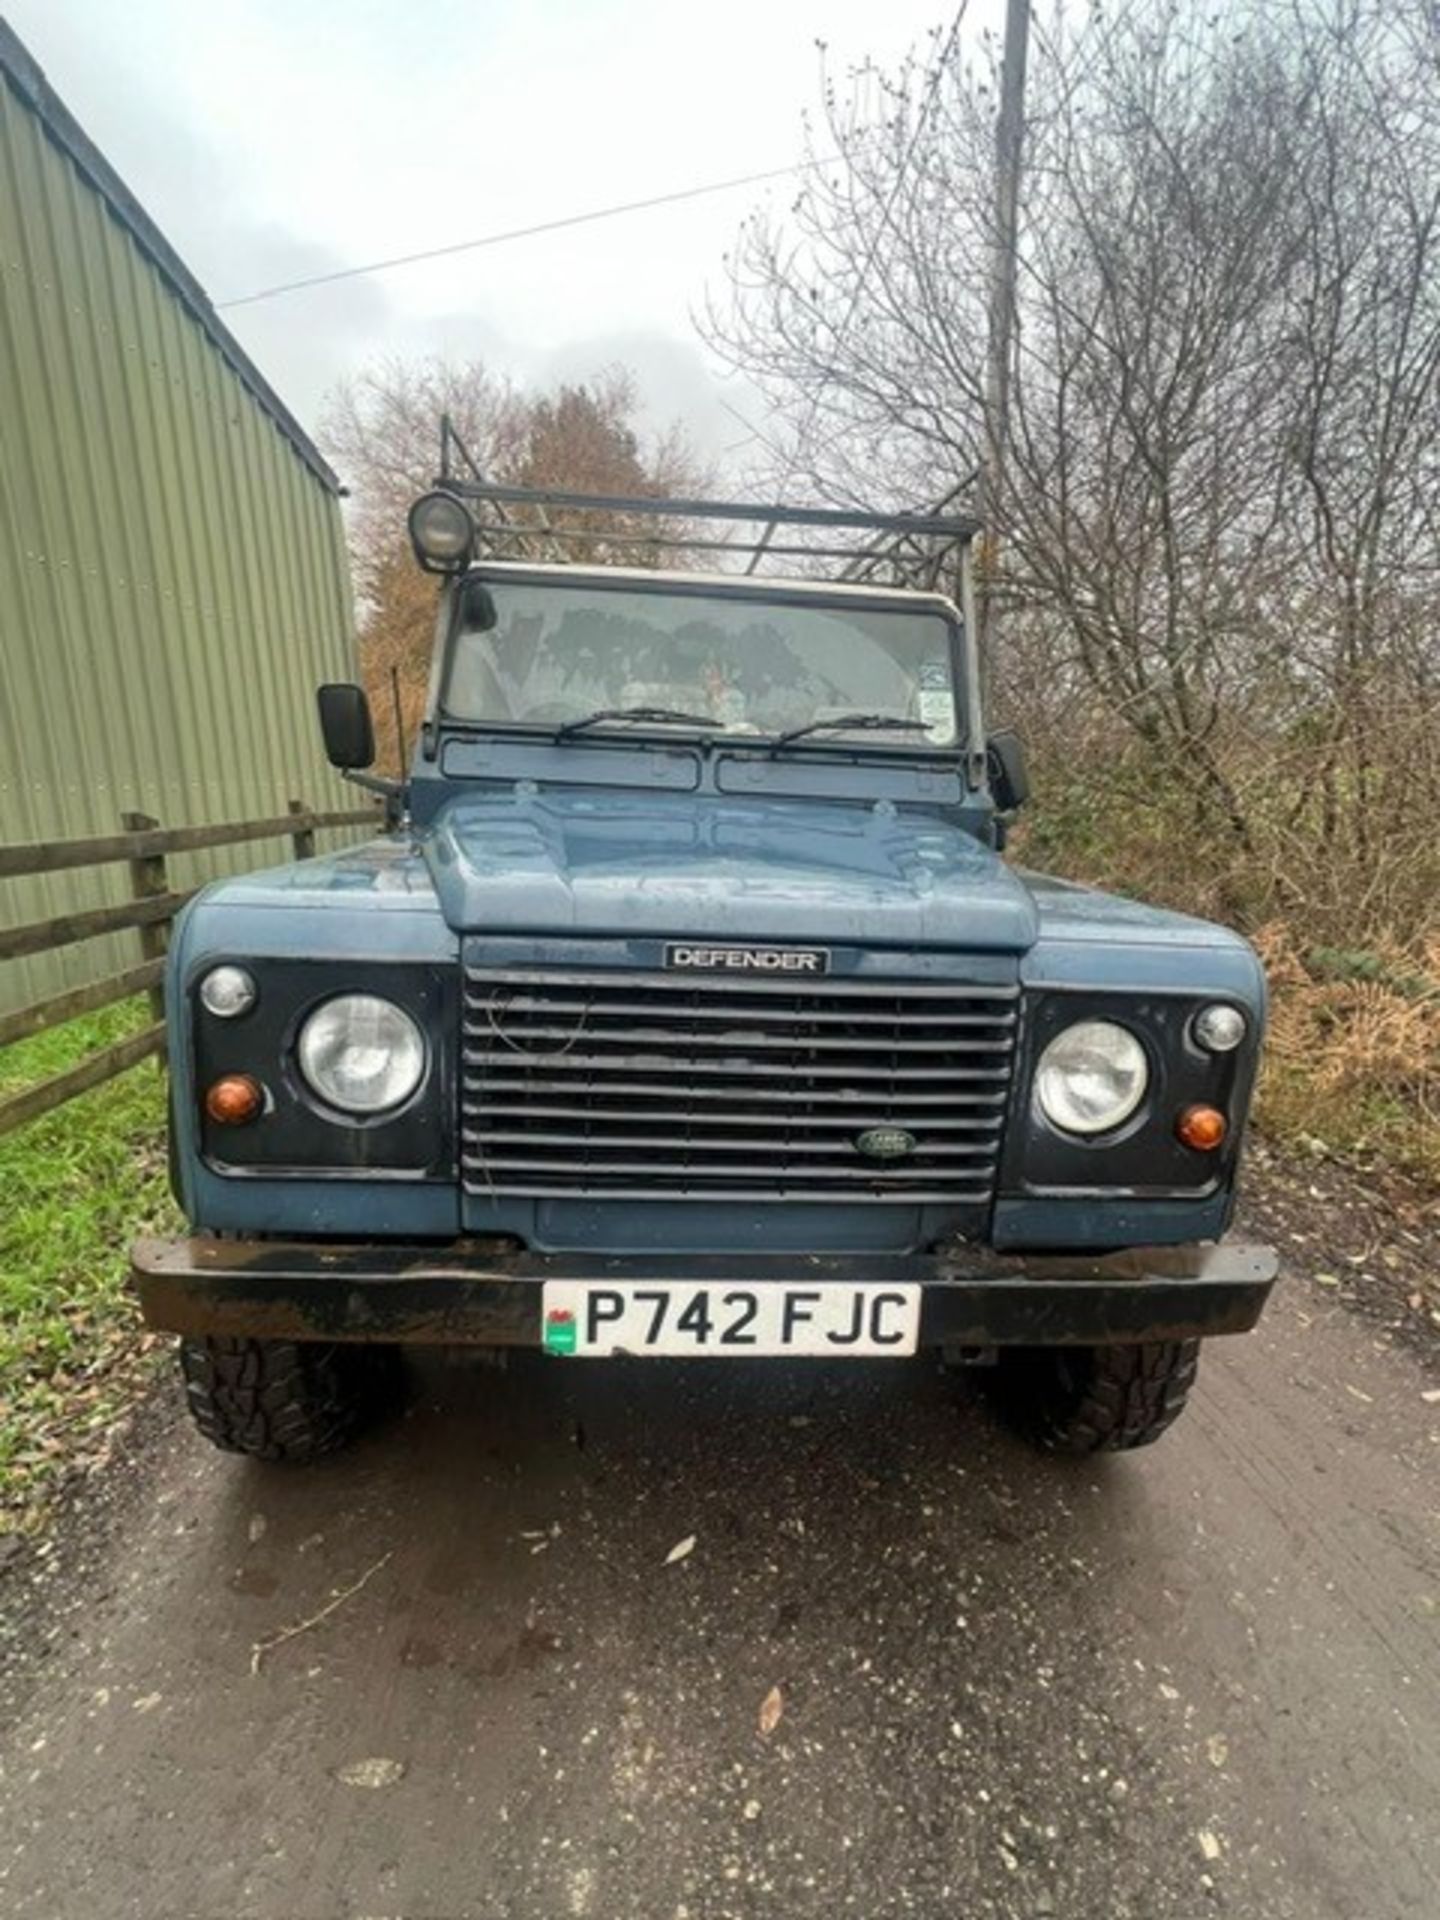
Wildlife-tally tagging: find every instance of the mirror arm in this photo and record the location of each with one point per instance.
(374, 783)
(393, 792)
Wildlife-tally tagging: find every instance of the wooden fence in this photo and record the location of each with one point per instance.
(145, 846)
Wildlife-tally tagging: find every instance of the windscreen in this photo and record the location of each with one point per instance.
(559, 652)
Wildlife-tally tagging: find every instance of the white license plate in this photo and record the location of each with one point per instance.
(724, 1320)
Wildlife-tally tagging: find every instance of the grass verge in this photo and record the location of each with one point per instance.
(77, 1186)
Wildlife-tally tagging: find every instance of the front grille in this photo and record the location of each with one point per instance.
(645, 1086)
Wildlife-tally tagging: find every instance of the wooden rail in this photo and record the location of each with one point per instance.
(145, 845)
(52, 856)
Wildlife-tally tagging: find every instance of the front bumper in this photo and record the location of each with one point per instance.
(482, 1293)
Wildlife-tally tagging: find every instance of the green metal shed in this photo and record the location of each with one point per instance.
(173, 578)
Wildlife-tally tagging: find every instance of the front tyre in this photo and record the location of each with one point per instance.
(283, 1399)
(1096, 1399)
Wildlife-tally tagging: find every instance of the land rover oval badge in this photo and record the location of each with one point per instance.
(885, 1143)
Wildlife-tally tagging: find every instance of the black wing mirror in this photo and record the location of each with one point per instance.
(345, 723)
(1005, 765)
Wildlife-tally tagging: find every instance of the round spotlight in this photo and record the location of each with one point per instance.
(442, 532)
(227, 992)
(1219, 1028)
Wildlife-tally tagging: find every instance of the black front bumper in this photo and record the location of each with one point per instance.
(480, 1293)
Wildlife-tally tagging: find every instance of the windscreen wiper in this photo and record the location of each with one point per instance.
(850, 723)
(672, 714)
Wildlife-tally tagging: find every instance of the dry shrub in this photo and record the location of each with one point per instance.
(1354, 1046)
(1358, 1035)
(1279, 955)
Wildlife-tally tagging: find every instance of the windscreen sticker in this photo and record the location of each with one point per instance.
(937, 711)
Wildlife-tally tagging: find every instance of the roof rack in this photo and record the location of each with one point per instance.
(550, 523)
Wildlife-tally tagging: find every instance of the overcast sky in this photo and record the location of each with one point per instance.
(279, 138)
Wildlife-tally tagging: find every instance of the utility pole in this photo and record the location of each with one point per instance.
(1009, 145)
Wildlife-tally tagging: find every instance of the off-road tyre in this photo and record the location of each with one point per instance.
(1096, 1399)
(284, 1399)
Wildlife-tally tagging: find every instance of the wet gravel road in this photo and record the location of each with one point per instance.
(1200, 1680)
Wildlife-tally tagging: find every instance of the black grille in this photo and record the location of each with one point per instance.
(647, 1086)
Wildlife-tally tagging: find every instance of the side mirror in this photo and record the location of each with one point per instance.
(1005, 764)
(345, 723)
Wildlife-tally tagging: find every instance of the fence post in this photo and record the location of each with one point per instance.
(303, 838)
(147, 878)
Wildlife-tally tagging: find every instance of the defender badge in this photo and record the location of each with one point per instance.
(885, 1143)
(710, 959)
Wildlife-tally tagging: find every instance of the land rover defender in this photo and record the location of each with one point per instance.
(688, 1007)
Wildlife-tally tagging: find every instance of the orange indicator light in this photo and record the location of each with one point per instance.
(234, 1100)
(1202, 1128)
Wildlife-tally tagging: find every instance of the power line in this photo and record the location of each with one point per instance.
(524, 233)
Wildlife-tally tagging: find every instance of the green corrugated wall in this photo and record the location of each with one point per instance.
(173, 582)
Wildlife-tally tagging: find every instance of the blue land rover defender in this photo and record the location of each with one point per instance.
(687, 1008)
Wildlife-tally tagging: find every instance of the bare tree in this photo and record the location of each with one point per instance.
(1218, 531)
(382, 430)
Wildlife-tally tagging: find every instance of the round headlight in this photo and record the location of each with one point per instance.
(442, 530)
(1091, 1077)
(1218, 1028)
(226, 992)
(361, 1054)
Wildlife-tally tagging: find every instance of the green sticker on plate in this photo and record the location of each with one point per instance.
(559, 1330)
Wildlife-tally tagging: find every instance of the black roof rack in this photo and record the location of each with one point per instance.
(549, 523)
